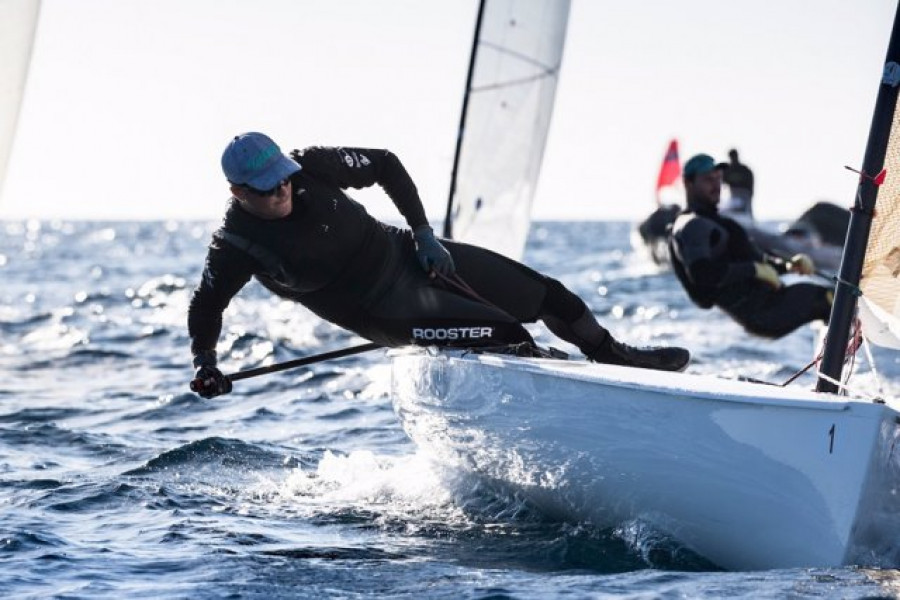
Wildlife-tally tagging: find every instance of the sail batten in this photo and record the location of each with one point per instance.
(510, 93)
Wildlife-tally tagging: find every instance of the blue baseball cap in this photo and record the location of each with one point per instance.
(253, 159)
(700, 164)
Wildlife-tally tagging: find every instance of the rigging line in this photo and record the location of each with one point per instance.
(870, 357)
(457, 282)
(854, 289)
(849, 357)
(832, 277)
(523, 57)
(841, 386)
(533, 349)
(847, 390)
(853, 346)
(514, 82)
(793, 377)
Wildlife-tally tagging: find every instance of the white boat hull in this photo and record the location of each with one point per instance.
(749, 476)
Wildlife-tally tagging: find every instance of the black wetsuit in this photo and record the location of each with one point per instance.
(331, 256)
(739, 176)
(714, 258)
(739, 179)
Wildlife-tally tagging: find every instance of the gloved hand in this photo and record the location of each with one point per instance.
(767, 274)
(432, 254)
(210, 382)
(802, 264)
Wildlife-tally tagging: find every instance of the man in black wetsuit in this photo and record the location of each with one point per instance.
(739, 179)
(719, 265)
(290, 225)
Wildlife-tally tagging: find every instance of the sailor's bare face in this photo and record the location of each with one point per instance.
(706, 187)
(272, 204)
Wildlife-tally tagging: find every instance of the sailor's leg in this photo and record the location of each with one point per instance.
(529, 296)
(774, 315)
(595, 340)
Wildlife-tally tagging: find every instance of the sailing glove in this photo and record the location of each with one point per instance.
(432, 254)
(802, 264)
(767, 274)
(210, 382)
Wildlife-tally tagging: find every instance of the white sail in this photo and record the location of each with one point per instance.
(880, 281)
(18, 20)
(506, 118)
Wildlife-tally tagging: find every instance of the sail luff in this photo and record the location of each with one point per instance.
(448, 218)
(18, 23)
(842, 311)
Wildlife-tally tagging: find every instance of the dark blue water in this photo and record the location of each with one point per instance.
(116, 481)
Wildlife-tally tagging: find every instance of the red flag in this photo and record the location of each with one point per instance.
(670, 169)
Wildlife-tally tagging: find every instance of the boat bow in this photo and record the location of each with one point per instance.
(749, 476)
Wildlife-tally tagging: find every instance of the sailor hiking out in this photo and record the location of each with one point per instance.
(290, 225)
(719, 265)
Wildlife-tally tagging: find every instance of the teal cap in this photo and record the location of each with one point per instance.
(700, 164)
(255, 160)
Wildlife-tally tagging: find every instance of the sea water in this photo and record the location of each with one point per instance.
(117, 482)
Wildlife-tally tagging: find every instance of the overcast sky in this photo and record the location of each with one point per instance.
(130, 102)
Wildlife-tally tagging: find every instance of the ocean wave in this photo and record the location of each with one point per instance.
(214, 451)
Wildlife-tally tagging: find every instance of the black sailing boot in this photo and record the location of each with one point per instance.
(662, 359)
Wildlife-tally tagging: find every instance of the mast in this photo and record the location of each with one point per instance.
(861, 216)
(448, 218)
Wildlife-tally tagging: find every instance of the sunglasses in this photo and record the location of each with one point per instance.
(266, 193)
